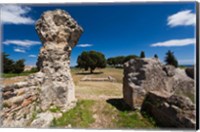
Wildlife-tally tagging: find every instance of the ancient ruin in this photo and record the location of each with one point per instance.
(170, 111)
(144, 77)
(27, 104)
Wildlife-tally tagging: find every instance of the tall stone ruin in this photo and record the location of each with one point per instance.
(53, 85)
(59, 33)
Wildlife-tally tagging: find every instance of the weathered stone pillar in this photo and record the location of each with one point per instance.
(53, 85)
(59, 33)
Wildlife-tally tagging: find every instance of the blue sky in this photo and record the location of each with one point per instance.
(113, 29)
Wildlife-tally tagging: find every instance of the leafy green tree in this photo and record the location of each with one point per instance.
(120, 60)
(110, 61)
(142, 54)
(7, 64)
(19, 66)
(91, 60)
(170, 59)
(34, 69)
(155, 56)
(127, 58)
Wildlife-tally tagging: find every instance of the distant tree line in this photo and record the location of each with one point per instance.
(118, 61)
(11, 66)
(90, 60)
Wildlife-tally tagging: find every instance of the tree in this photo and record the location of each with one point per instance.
(118, 61)
(7, 64)
(91, 60)
(19, 66)
(156, 56)
(142, 54)
(170, 59)
(34, 69)
(127, 58)
(110, 61)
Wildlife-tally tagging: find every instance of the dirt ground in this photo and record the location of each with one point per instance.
(105, 94)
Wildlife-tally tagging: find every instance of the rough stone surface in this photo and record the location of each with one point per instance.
(43, 120)
(190, 72)
(163, 91)
(143, 75)
(170, 111)
(53, 84)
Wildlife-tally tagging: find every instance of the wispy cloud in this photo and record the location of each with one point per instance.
(84, 45)
(187, 61)
(15, 14)
(32, 56)
(174, 42)
(182, 18)
(23, 43)
(19, 50)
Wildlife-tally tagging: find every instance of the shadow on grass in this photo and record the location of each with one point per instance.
(119, 104)
(88, 73)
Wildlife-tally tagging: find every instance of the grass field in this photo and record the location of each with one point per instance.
(9, 75)
(100, 104)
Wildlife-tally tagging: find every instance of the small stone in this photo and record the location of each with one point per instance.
(26, 102)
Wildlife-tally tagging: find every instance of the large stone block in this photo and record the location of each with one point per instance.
(146, 74)
(170, 111)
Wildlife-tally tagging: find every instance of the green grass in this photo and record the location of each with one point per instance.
(82, 117)
(9, 75)
(54, 109)
(134, 119)
(78, 117)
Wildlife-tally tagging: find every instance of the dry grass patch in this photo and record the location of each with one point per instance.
(98, 90)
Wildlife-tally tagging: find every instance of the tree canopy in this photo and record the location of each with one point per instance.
(91, 60)
(142, 54)
(170, 59)
(7, 64)
(19, 66)
(119, 60)
(10, 66)
(155, 56)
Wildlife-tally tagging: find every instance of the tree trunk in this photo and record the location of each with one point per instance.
(91, 71)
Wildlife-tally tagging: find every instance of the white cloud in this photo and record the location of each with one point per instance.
(187, 61)
(19, 50)
(15, 14)
(23, 43)
(32, 56)
(84, 45)
(182, 18)
(174, 42)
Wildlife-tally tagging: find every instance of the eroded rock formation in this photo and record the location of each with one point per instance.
(170, 111)
(28, 103)
(142, 76)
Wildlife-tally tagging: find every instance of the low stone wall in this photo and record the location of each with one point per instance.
(109, 79)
